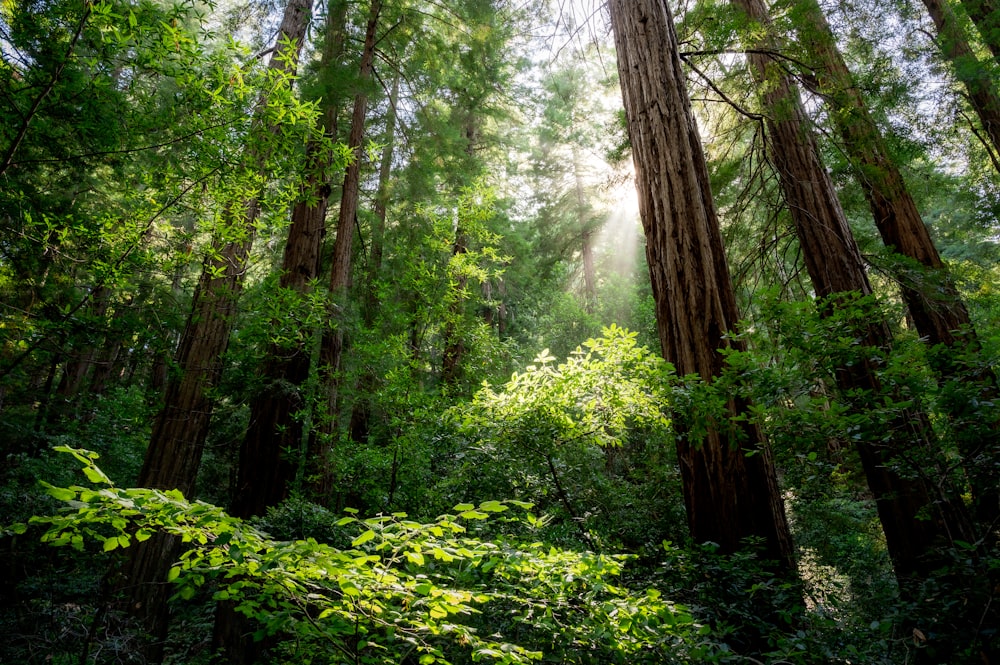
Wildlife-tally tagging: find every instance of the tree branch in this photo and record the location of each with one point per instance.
(23, 130)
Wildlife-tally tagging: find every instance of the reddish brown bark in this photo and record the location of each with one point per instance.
(180, 429)
(332, 348)
(270, 451)
(986, 15)
(915, 517)
(729, 493)
(935, 306)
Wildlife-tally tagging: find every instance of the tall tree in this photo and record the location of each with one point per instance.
(331, 352)
(916, 518)
(986, 15)
(980, 83)
(730, 486)
(267, 463)
(179, 433)
(934, 304)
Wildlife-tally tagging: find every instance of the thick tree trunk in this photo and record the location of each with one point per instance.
(270, 453)
(935, 306)
(729, 494)
(332, 348)
(986, 15)
(980, 85)
(180, 430)
(915, 518)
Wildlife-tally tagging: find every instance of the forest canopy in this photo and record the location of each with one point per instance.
(405, 331)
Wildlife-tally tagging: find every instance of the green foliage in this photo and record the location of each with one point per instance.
(586, 439)
(400, 589)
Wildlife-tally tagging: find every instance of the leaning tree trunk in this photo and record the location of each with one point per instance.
(181, 427)
(934, 303)
(915, 518)
(981, 86)
(332, 349)
(986, 15)
(729, 481)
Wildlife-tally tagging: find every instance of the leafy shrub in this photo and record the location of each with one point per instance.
(401, 590)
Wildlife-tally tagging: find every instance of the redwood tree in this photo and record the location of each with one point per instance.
(980, 84)
(730, 487)
(265, 470)
(181, 427)
(934, 304)
(332, 348)
(915, 516)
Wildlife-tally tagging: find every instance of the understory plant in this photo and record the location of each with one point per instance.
(403, 591)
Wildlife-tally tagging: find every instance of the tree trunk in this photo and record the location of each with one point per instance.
(76, 371)
(266, 469)
(360, 424)
(836, 269)
(730, 494)
(986, 15)
(381, 207)
(454, 344)
(977, 79)
(180, 430)
(332, 348)
(934, 304)
(586, 236)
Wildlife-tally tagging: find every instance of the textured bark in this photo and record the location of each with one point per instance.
(180, 429)
(935, 306)
(836, 269)
(980, 85)
(266, 470)
(729, 494)
(340, 273)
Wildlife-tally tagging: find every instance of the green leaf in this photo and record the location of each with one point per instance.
(415, 557)
(58, 493)
(110, 544)
(349, 588)
(95, 475)
(363, 538)
(462, 507)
